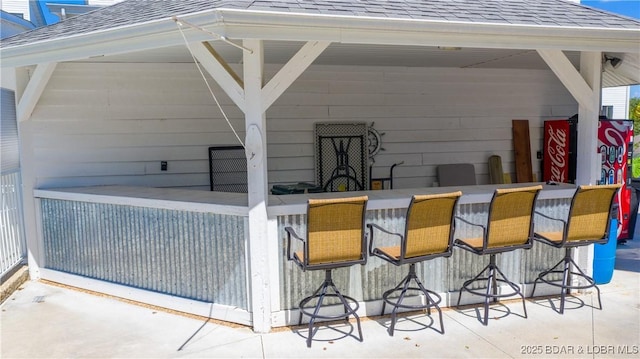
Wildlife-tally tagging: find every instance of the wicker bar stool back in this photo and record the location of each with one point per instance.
(428, 234)
(509, 227)
(587, 223)
(335, 238)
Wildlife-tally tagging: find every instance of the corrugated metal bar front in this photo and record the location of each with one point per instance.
(464, 265)
(368, 282)
(296, 284)
(542, 257)
(364, 283)
(192, 255)
(361, 282)
(520, 266)
(379, 275)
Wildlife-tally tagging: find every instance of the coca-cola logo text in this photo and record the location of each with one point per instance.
(556, 148)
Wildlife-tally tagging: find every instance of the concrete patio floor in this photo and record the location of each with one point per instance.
(42, 320)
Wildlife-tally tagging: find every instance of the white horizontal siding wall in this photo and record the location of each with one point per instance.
(99, 124)
(429, 116)
(618, 97)
(17, 7)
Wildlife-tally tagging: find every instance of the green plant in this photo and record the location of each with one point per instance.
(634, 114)
(635, 167)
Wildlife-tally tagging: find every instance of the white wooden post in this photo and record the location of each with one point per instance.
(28, 92)
(585, 86)
(254, 99)
(588, 167)
(255, 121)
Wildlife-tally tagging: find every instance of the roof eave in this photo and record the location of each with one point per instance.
(365, 30)
(124, 39)
(267, 25)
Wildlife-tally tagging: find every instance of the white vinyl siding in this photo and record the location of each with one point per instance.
(16, 7)
(99, 124)
(618, 98)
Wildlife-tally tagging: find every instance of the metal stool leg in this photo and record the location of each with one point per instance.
(429, 300)
(321, 293)
(565, 286)
(590, 280)
(403, 287)
(491, 288)
(515, 288)
(565, 281)
(466, 283)
(348, 310)
(490, 294)
(438, 309)
(324, 287)
(394, 312)
(543, 274)
(401, 284)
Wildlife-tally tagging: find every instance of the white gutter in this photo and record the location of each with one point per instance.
(247, 24)
(374, 30)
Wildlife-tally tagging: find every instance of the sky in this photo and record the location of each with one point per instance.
(629, 8)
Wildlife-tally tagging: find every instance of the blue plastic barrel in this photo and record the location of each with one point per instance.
(604, 256)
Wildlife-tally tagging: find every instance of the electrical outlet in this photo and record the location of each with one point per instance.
(163, 166)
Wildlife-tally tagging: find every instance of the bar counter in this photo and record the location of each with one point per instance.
(236, 203)
(188, 250)
(400, 198)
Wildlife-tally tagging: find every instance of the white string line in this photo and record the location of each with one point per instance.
(207, 82)
(217, 36)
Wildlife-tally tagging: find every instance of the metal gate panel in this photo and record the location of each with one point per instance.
(228, 169)
(341, 155)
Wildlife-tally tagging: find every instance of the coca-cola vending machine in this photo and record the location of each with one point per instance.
(615, 145)
(615, 148)
(560, 150)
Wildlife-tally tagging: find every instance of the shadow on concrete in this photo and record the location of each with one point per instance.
(628, 256)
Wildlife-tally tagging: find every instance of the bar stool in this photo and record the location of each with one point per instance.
(587, 223)
(428, 234)
(335, 239)
(509, 227)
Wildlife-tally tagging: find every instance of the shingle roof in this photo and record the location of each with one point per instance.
(525, 12)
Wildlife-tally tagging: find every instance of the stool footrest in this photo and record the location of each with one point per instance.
(349, 304)
(491, 295)
(494, 276)
(591, 282)
(397, 303)
(567, 262)
(349, 310)
(432, 298)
